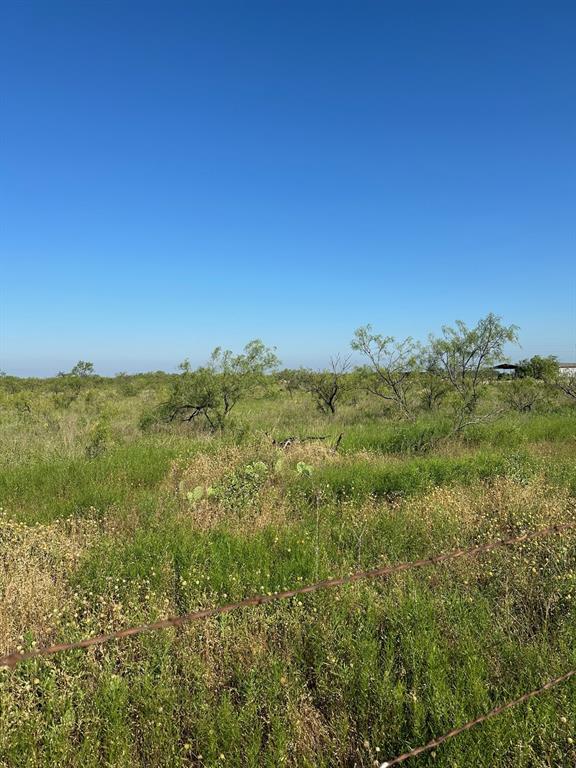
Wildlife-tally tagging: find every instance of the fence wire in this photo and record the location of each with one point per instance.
(436, 742)
(12, 659)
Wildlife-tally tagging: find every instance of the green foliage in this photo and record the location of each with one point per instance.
(212, 391)
(391, 367)
(433, 390)
(240, 489)
(523, 394)
(327, 387)
(63, 400)
(290, 380)
(466, 356)
(82, 368)
(148, 419)
(567, 384)
(196, 494)
(540, 368)
(22, 405)
(99, 439)
(126, 385)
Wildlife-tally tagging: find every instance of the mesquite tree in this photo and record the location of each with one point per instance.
(433, 387)
(566, 383)
(523, 394)
(392, 365)
(327, 387)
(213, 390)
(538, 367)
(465, 357)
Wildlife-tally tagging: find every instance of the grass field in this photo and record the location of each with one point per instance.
(104, 525)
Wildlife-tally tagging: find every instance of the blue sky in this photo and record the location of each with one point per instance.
(177, 175)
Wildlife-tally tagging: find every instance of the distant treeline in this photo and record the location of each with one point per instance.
(450, 372)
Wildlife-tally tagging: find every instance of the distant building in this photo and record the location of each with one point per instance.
(506, 368)
(568, 369)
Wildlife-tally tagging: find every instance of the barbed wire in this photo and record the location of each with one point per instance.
(12, 659)
(436, 742)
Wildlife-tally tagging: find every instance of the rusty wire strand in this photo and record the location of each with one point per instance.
(472, 723)
(12, 659)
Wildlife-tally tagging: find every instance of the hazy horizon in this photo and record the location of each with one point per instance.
(514, 354)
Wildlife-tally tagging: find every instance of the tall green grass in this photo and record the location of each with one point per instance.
(40, 491)
(512, 432)
(358, 479)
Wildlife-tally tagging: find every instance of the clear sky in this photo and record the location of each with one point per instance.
(178, 175)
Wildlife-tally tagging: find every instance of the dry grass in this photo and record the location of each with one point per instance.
(36, 565)
(229, 495)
